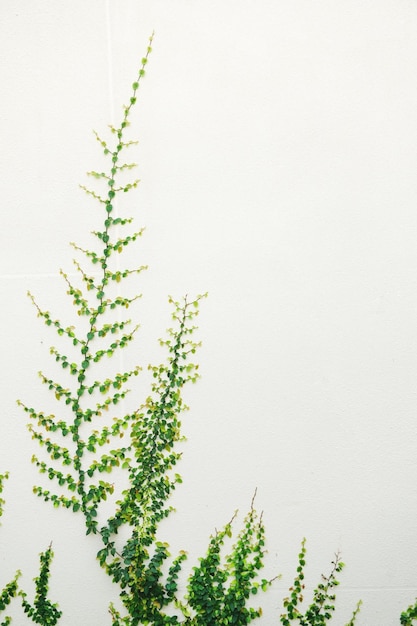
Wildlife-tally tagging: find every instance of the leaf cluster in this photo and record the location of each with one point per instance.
(43, 611)
(409, 616)
(220, 588)
(322, 607)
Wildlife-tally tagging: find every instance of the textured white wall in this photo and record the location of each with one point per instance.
(278, 159)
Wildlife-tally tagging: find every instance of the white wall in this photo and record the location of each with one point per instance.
(278, 159)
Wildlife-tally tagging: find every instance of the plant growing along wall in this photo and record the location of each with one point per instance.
(82, 438)
(98, 453)
(10, 590)
(322, 606)
(409, 616)
(42, 611)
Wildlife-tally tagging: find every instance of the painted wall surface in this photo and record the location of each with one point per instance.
(278, 158)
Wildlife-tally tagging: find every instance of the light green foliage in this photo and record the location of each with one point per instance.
(322, 607)
(10, 590)
(84, 449)
(3, 477)
(352, 620)
(42, 611)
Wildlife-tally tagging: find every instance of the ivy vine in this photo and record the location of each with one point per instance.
(83, 450)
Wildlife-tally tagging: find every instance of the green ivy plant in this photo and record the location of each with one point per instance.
(409, 616)
(3, 477)
(231, 581)
(94, 446)
(322, 607)
(43, 611)
(10, 590)
(82, 440)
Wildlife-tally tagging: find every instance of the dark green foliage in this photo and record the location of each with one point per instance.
(409, 617)
(42, 611)
(322, 607)
(6, 594)
(219, 589)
